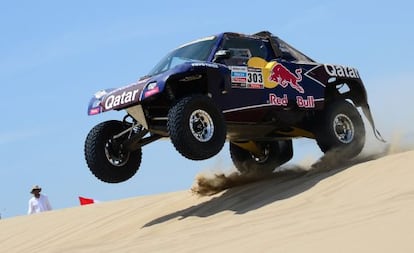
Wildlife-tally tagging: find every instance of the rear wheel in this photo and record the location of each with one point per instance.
(340, 129)
(196, 127)
(105, 157)
(272, 155)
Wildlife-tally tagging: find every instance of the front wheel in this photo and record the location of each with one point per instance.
(341, 130)
(272, 155)
(105, 157)
(196, 127)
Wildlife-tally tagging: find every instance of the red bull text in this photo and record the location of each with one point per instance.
(275, 100)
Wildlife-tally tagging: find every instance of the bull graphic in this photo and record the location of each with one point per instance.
(284, 77)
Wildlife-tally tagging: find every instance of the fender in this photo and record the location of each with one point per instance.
(333, 75)
(358, 94)
(217, 77)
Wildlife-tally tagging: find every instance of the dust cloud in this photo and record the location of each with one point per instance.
(209, 183)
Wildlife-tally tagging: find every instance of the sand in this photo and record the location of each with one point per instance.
(368, 207)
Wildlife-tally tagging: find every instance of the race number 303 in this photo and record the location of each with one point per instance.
(255, 78)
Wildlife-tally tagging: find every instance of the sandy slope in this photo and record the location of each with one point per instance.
(365, 208)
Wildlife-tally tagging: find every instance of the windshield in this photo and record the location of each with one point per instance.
(198, 50)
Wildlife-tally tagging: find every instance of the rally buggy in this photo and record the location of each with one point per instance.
(256, 91)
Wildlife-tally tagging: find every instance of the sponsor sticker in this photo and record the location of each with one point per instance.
(308, 102)
(255, 78)
(246, 77)
(116, 100)
(151, 92)
(94, 111)
(283, 76)
(275, 100)
(204, 64)
(341, 71)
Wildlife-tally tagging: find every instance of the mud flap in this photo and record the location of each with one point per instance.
(367, 112)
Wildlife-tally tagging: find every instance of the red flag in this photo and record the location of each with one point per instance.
(85, 201)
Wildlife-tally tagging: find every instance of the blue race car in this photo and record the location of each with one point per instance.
(255, 91)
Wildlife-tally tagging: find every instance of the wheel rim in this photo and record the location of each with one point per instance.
(343, 128)
(263, 157)
(201, 125)
(115, 156)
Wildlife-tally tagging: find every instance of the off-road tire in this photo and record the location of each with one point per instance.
(98, 154)
(340, 129)
(276, 153)
(196, 127)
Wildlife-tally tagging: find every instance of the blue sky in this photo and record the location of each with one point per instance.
(54, 56)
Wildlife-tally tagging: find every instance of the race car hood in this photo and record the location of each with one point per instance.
(135, 93)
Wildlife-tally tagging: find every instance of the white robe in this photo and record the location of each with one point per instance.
(37, 205)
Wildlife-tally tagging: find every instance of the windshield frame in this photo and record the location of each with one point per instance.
(188, 52)
(290, 52)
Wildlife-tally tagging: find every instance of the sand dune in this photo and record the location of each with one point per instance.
(368, 207)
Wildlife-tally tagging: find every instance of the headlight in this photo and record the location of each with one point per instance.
(151, 89)
(152, 86)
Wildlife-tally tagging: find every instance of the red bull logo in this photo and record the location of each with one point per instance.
(281, 75)
(275, 74)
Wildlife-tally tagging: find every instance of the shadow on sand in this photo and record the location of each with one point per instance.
(246, 193)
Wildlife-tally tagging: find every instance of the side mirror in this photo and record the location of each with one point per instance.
(222, 55)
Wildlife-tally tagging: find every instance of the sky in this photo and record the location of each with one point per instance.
(55, 55)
